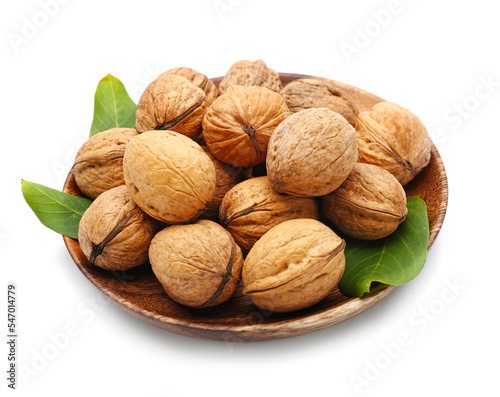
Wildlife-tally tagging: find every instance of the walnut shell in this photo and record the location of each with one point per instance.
(238, 124)
(253, 207)
(98, 163)
(199, 80)
(369, 205)
(303, 94)
(311, 153)
(393, 138)
(171, 102)
(227, 177)
(198, 265)
(293, 266)
(114, 233)
(169, 176)
(248, 73)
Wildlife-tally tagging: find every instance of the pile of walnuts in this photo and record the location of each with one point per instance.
(221, 184)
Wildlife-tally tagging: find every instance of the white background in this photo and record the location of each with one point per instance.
(439, 59)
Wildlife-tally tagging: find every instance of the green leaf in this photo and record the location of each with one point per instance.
(394, 260)
(58, 211)
(112, 106)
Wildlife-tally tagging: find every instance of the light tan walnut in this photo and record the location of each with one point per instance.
(311, 153)
(293, 266)
(169, 176)
(303, 94)
(253, 207)
(369, 205)
(393, 138)
(248, 73)
(114, 233)
(238, 124)
(199, 80)
(171, 102)
(98, 164)
(198, 265)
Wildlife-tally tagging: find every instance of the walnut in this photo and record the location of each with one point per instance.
(99, 162)
(253, 207)
(114, 233)
(238, 124)
(247, 73)
(311, 153)
(293, 266)
(171, 102)
(199, 80)
(303, 94)
(199, 265)
(169, 175)
(227, 177)
(369, 205)
(393, 138)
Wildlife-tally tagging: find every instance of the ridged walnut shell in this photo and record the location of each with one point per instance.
(198, 265)
(293, 266)
(239, 123)
(199, 80)
(98, 164)
(303, 94)
(393, 138)
(369, 205)
(171, 102)
(311, 153)
(248, 73)
(226, 177)
(114, 233)
(253, 207)
(169, 176)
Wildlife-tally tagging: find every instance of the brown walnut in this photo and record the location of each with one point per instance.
(393, 138)
(311, 153)
(369, 205)
(303, 94)
(171, 102)
(169, 176)
(253, 207)
(98, 163)
(248, 73)
(198, 265)
(227, 177)
(238, 124)
(199, 80)
(293, 266)
(114, 233)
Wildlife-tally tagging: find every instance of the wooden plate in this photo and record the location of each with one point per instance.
(139, 293)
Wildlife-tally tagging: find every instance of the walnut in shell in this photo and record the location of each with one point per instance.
(98, 163)
(253, 207)
(311, 153)
(114, 233)
(248, 73)
(369, 205)
(238, 124)
(171, 102)
(303, 94)
(198, 265)
(199, 80)
(227, 177)
(393, 138)
(169, 176)
(293, 266)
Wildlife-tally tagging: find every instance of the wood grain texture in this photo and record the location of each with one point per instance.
(139, 293)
